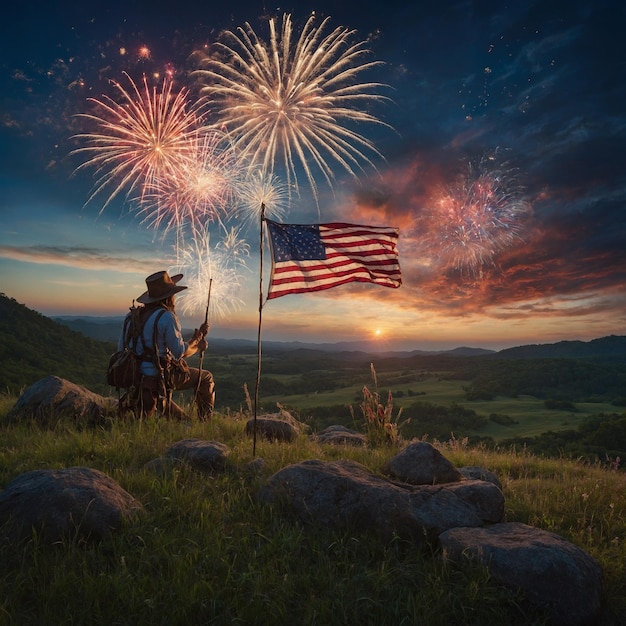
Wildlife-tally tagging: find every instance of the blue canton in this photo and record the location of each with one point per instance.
(295, 242)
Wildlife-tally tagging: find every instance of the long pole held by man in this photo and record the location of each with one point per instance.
(206, 321)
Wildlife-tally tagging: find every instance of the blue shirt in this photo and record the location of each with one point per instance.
(169, 339)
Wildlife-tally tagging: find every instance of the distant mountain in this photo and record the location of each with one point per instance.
(611, 348)
(101, 328)
(108, 329)
(468, 352)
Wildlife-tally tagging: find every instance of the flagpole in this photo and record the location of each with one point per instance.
(258, 354)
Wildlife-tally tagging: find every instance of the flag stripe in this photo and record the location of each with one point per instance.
(316, 257)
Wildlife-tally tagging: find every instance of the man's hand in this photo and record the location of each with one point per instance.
(200, 333)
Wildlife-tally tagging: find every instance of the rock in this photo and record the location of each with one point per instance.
(553, 573)
(340, 435)
(276, 426)
(53, 397)
(483, 497)
(205, 456)
(479, 473)
(76, 502)
(163, 467)
(344, 494)
(256, 466)
(422, 464)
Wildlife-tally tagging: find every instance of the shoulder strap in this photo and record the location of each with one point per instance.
(155, 355)
(152, 352)
(125, 332)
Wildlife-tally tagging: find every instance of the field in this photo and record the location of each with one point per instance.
(529, 415)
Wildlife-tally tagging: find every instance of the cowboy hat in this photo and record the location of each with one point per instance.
(160, 286)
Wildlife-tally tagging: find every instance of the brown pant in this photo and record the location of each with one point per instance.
(152, 398)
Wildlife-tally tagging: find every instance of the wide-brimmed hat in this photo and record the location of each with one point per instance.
(160, 286)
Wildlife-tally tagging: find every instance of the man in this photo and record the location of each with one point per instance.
(163, 350)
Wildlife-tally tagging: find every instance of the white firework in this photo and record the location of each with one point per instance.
(292, 100)
(207, 268)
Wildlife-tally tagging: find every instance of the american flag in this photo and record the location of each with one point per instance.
(312, 257)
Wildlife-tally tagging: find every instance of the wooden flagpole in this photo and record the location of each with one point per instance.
(258, 353)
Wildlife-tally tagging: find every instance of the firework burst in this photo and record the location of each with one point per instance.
(204, 266)
(233, 250)
(288, 100)
(478, 215)
(202, 189)
(258, 189)
(145, 137)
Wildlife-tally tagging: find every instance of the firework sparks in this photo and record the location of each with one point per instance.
(201, 190)
(258, 189)
(477, 216)
(233, 249)
(145, 137)
(288, 102)
(203, 266)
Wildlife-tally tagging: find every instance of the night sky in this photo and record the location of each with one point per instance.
(533, 93)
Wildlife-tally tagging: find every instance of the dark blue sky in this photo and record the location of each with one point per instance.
(542, 82)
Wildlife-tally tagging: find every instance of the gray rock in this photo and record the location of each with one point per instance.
(479, 473)
(205, 456)
(163, 467)
(53, 397)
(554, 574)
(256, 466)
(422, 464)
(72, 503)
(279, 426)
(483, 497)
(344, 494)
(340, 435)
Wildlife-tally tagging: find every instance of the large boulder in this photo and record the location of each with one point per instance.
(420, 463)
(340, 435)
(281, 426)
(205, 456)
(72, 503)
(553, 573)
(344, 494)
(474, 472)
(53, 397)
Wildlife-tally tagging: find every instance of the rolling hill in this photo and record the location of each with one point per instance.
(33, 346)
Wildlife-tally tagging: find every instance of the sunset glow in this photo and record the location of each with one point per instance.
(492, 138)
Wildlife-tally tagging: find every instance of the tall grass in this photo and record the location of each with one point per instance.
(205, 551)
(381, 426)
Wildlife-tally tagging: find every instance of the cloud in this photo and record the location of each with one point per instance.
(569, 258)
(78, 257)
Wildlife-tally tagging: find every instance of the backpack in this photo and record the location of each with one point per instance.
(124, 369)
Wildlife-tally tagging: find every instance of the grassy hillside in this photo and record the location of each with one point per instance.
(206, 552)
(33, 346)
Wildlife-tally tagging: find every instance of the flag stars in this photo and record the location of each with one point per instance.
(293, 242)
